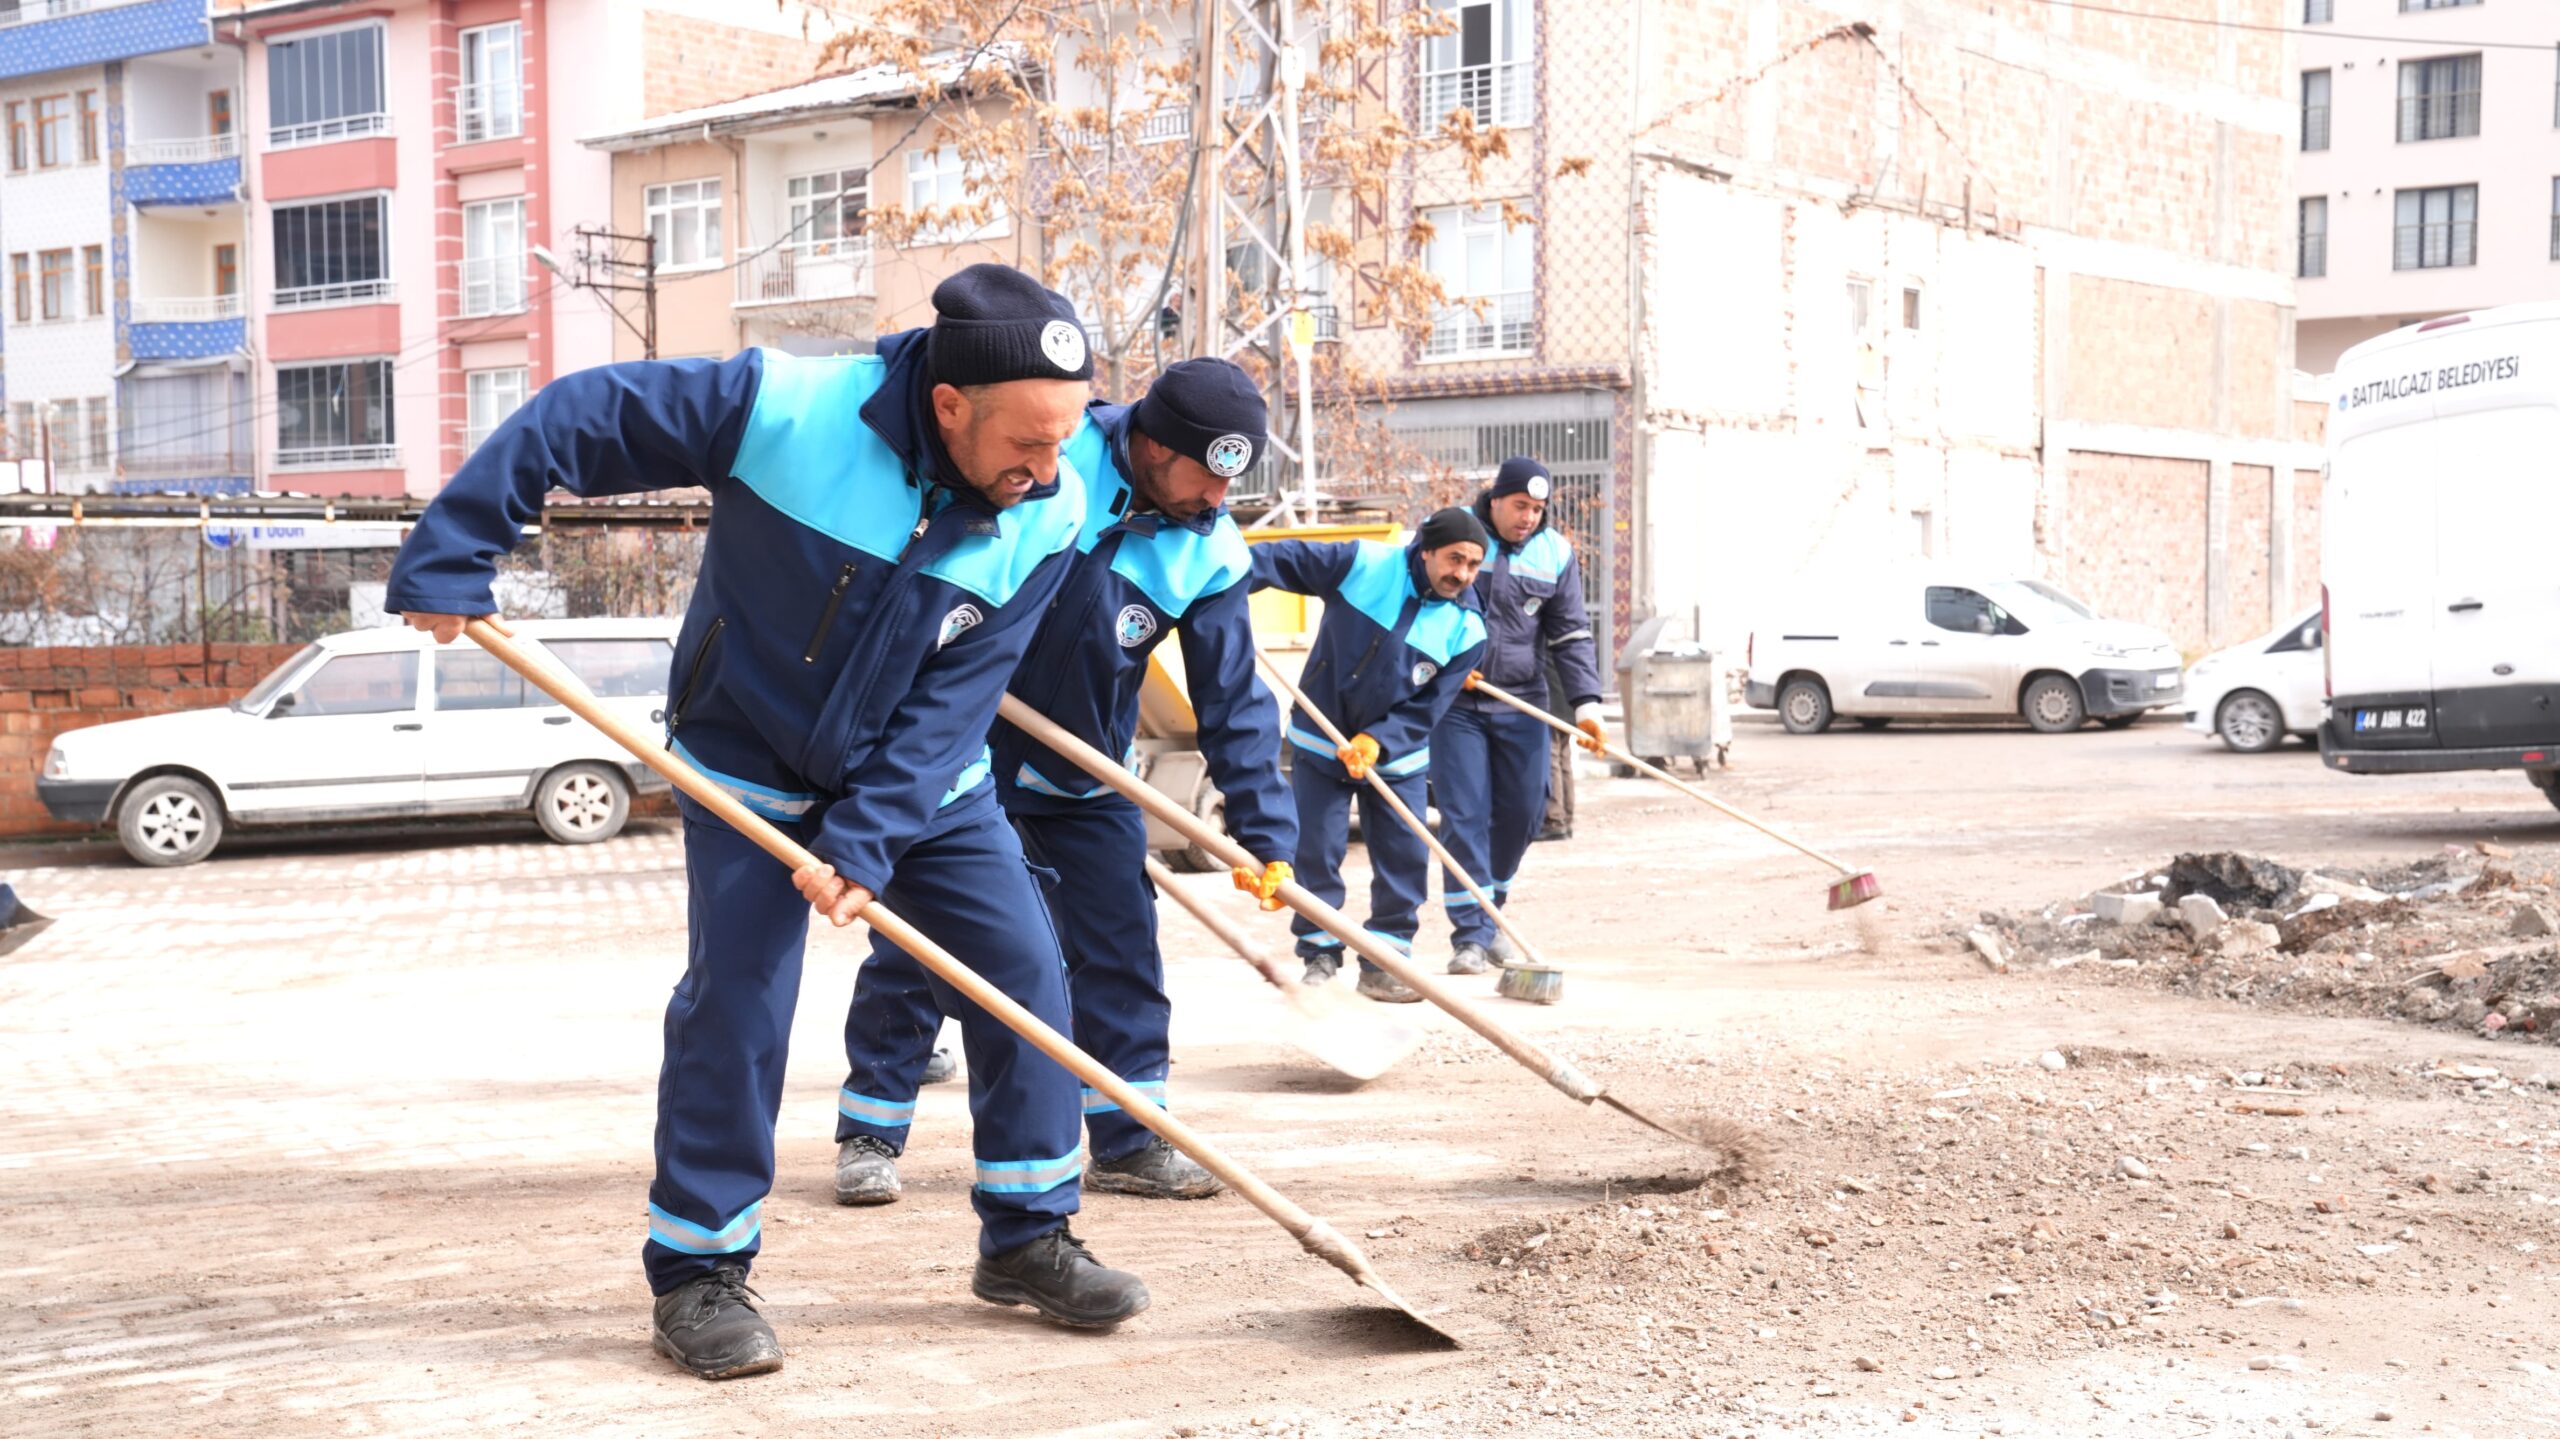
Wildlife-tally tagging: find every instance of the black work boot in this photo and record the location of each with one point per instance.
(1470, 958)
(942, 1065)
(1158, 1171)
(1058, 1276)
(867, 1171)
(1322, 966)
(708, 1326)
(1502, 951)
(1385, 988)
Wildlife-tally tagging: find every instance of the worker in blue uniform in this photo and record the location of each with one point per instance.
(1400, 634)
(1489, 767)
(1157, 552)
(886, 530)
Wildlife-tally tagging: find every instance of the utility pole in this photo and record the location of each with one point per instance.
(1253, 200)
(606, 262)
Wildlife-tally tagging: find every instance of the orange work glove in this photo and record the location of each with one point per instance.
(1359, 757)
(1474, 677)
(1265, 888)
(1595, 735)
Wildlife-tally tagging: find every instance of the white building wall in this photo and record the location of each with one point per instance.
(64, 208)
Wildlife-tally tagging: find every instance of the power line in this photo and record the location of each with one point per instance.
(2313, 31)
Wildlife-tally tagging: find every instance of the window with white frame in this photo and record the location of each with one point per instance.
(1487, 269)
(489, 103)
(333, 252)
(335, 416)
(489, 396)
(939, 180)
(1482, 65)
(493, 255)
(326, 86)
(684, 220)
(829, 210)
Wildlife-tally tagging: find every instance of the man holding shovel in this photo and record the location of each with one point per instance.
(1156, 551)
(1490, 769)
(1398, 637)
(886, 532)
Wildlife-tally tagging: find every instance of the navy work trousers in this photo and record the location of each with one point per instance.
(1489, 777)
(1399, 862)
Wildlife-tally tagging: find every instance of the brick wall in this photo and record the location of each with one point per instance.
(46, 691)
(689, 62)
(2248, 552)
(2134, 541)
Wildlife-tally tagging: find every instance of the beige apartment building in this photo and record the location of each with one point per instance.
(1782, 289)
(2428, 179)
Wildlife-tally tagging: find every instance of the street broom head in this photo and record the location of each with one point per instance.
(1532, 983)
(1854, 890)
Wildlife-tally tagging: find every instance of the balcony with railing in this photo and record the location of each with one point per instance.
(1499, 95)
(43, 35)
(806, 274)
(198, 170)
(326, 132)
(1482, 326)
(492, 111)
(2315, 127)
(2449, 115)
(493, 285)
(340, 457)
(2311, 257)
(2434, 245)
(188, 327)
(350, 292)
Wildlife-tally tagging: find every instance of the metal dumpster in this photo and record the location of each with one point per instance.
(1672, 692)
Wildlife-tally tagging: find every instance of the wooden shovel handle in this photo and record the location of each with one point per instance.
(1324, 916)
(1404, 812)
(1306, 1228)
(1633, 763)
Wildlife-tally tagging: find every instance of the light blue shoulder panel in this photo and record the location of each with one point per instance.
(1376, 584)
(1090, 452)
(808, 453)
(1444, 630)
(1544, 557)
(995, 567)
(1175, 567)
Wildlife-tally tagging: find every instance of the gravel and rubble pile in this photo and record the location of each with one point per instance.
(2466, 939)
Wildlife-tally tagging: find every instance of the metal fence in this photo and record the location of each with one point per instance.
(2315, 127)
(2434, 245)
(1578, 453)
(2313, 261)
(2445, 115)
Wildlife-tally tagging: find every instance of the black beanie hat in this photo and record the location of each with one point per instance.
(1521, 475)
(1451, 526)
(993, 323)
(1209, 410)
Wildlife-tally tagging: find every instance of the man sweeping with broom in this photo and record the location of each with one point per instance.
(886, 532)
(1157, 551)
(1398, 637)
(1489, 763)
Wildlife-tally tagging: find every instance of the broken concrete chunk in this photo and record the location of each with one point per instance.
(2125, 908)
(2201, 914)
(2532, 921)
(2242, 938)
(1988, 945)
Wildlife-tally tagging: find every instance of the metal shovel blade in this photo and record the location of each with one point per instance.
(1352, 1036)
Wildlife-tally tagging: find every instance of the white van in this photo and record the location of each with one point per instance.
(2440, 579)
(1955, 645)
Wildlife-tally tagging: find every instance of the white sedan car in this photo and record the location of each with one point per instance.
(2254, 694)
(376, 724)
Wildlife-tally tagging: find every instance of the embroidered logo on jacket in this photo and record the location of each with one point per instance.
(1530, 605)
(1423, 670)
(1136, 624)
(954, 623)
(1228, 455)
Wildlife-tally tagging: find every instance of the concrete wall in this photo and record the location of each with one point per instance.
(58, 209)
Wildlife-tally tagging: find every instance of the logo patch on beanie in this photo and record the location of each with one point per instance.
(1135, 625)
(956, 622)
(1228, 455)
(1423, 670)
(1538, 487)
(1063, 343)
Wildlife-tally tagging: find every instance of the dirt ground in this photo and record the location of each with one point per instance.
(351, 1138)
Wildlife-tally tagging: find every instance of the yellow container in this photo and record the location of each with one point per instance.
(1284, 624)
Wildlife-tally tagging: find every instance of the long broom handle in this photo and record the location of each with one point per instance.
(1218, 924)
(1404, 812)
(1532, 1057)
(1630, 761)
(1319, 1237)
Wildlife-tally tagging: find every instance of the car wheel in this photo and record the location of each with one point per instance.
(2547, 781)
(1804, 707)
(2052, 705)
(2126, 721)
(2248, 722)
(169, 820)
(582, 804)
(1873, 723)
